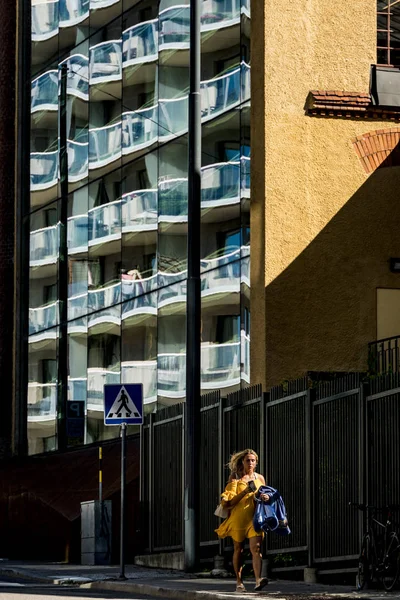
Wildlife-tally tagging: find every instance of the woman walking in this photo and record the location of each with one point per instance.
(238, 498)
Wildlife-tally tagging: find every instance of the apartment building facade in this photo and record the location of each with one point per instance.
(120, 315)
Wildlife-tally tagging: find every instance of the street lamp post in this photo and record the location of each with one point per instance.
(193, 303)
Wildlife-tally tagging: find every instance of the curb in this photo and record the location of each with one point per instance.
(29, 576)
(160, 592)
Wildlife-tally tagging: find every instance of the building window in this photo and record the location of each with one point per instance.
(388, 32)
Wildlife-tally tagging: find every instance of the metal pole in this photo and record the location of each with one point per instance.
(63, 267)
(100, 475)
(193, 306)
(123, 481)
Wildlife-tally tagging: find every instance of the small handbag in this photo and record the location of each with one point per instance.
(221, 512)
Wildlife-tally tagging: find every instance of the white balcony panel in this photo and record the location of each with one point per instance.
(105, 222)
(139, 211)
(73, 12)
(105, 62)
(77, 388)
(44, 15)
(220, 365)
(140, 43)
(104, 145)
(216, 14)
(44, 246)
(44, 170)
(139, 129)
(78, 233)
(106, 302)
(97, 379)
(78, 161)
(137, 296)
(96, 4)
(220, 184)
(144, 372)
(171, 375)
(42, 399)
(174, 28)
(44, 92)
(43, 317)
(173, 117)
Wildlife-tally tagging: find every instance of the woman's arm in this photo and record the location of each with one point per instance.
(235, 500)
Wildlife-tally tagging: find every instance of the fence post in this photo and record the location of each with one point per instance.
(151, 482)
(310, 475)
(363, 452)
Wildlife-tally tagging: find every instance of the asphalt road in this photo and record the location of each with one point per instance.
(14, 588)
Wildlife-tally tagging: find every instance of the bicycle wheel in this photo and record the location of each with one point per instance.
(363, 574)
(391, 562)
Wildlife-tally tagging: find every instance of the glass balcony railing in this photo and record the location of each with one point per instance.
(78, 160)
(73, 12)
(105, 221)
(78, 76)
(139, 129)
(245, 269)
(217, 13)
(144, 372)
(140, 43)
(44, 92)
(219, 183)
(44, 170)
(96, 4)
(221, 274)
(43, 317)
(77, 311)
(137, 296)
(220, 93)
(173, 117)
(174, 27)
(245, 164)
(173, 199)
(104, 300)
(44, 245)
(104, 145)
(172, 288)
(44, 19)
(105, 62)
(42, 399)
(77, 388)
(139, 210)
(97, 378)
(220, 368)
(245, 356)
(78, 232)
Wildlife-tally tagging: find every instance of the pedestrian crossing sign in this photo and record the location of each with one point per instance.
(123, 403)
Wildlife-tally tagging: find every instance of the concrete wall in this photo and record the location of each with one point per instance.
(322, 230)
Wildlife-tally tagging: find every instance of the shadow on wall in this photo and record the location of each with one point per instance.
(321, 310)
(40, 501)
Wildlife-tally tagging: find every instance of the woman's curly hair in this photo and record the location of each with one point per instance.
(236, 462)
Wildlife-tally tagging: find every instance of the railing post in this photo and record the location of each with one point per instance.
(362, 454)
(310, 475)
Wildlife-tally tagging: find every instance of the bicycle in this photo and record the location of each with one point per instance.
(380, 551)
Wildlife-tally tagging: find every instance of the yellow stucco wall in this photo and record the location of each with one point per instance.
(322, 231)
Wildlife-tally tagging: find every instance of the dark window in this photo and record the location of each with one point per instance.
(388, 32)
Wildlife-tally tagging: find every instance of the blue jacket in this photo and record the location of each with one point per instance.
(271, 515)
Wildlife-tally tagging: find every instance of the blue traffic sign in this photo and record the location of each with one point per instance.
(123, 403)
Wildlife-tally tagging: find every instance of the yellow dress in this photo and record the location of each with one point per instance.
(239, 524)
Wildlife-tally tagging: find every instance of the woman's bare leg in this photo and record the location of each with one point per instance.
(255, 549)
(237, 560)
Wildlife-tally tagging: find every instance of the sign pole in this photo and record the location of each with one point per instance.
(123, 481)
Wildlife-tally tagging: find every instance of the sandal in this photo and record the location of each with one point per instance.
(240, 587)
(261, 585)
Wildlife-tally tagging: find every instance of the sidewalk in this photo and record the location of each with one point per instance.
(175, 584)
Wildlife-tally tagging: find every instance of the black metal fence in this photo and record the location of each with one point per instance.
(321, 444)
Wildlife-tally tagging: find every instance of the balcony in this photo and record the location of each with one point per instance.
(44, 170)
(220, 368)
(384, 356)
(105, 223)
(77, 311)
(144, 372)
(174, 28)
(104, 145)
(140, 43)
(44, 246)
(78, 76)
(44, 92)
(137, 296)
(43, 317)
(139, 129)
(221, 275)
(73, 12)
(224, 92)
(220, 13)
(44, 19)
(97, 379)
(220, 184)
(42, 399)
(78, 234)
(78, 161)
(139, 211)
(96, 4)
(105, 63)
(245, 356)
